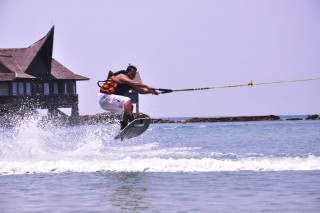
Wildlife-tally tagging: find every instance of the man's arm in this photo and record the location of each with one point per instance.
(145, 90)
(137, 86)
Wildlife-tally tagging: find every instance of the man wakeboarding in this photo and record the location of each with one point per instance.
(112, 93)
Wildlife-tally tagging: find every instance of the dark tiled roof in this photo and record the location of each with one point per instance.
(6, 74)
(58, 71)
(14, 62)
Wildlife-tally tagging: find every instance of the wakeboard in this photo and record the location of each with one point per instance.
(134, 129)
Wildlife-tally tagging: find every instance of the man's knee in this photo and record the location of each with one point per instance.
(128, 102)
(128, 106)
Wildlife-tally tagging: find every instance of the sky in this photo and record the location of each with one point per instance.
(178, 44)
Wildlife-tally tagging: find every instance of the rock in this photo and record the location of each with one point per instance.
(312, 117)
(294, 119)
(184, 121)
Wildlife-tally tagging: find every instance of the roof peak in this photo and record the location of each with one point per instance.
(51, 31)
(36, 60)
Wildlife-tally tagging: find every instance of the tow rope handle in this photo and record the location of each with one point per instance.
(164, 91)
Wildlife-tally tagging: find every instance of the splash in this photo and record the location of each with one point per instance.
(34, 140)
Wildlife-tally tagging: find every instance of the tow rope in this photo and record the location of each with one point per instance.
(250, 84)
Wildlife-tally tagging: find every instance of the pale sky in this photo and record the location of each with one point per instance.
(179, 44)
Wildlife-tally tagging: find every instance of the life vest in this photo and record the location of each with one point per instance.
(110, 86)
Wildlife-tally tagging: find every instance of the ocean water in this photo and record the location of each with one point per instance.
(196, 167)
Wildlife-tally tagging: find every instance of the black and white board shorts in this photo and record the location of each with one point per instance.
(113, 103)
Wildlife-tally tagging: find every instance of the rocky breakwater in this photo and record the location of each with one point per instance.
(235, 119)
(161, 121)
(220, 119)
(104, 118)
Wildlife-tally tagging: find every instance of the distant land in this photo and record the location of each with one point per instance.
(109, 118)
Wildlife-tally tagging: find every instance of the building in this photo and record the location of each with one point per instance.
(31, 79)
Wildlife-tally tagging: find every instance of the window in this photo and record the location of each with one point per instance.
(46, 89)
(28, 88)
(14, 88)
(65, 88)
(71, 88)
(55, 89)
(74, 88)
(20, 88)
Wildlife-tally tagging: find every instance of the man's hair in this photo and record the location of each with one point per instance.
(131, 68)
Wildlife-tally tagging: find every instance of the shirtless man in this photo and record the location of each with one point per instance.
(112, 93)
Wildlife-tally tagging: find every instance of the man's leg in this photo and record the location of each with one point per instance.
(128, 107)
(127, 115)
(118, 104)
